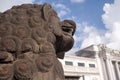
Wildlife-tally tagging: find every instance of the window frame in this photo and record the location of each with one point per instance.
(69, 63)
(91, 65)
(81, 64)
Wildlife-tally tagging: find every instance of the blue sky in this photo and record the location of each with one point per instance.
(98, 21)
(89, 11)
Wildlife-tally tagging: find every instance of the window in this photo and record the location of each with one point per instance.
(69, 63)
(81, 64)
(72, 77)
(92, 65)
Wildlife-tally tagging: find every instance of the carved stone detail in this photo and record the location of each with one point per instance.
(32, 38)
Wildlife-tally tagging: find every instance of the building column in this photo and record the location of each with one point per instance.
(103, 63)
(101, 66)
(109, 71)
(117, 70)
(113, 70)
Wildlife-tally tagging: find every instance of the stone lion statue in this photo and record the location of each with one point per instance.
(32, 38)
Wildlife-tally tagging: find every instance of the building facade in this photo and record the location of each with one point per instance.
(80, 68)
(96, 62)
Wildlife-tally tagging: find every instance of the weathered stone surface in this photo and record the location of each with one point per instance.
(32, 37)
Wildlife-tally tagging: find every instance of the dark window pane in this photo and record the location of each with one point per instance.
(68, 63)
(81, 64)
(92, 65)
(72, 77)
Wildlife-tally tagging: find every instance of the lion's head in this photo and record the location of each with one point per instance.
(63, 30)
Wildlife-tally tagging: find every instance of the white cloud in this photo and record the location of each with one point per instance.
(77, 1)
(62, 9)
(62, 6)
(111, 14)
(7, 4)
(111, 20)
(62, 13)
(111, 36)
(91, 36)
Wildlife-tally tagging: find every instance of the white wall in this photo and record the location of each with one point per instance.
(89, 73)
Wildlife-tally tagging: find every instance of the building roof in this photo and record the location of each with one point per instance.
(86, 52)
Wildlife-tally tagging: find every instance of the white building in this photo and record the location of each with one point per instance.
(80, 68)
(96, 62)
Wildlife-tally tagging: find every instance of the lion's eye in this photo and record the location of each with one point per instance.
(67, 29)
